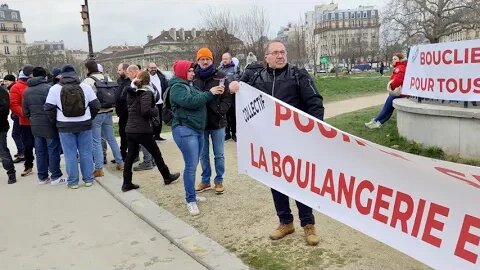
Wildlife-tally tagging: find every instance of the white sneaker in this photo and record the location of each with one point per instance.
(59, 181)
(368, 124)
(377, 124)
(201, 199)
(193, 208)
(44, 182)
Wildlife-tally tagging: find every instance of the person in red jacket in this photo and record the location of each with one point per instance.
(399, 64)
(16, 101)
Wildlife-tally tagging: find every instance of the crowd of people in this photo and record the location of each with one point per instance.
(59, 114)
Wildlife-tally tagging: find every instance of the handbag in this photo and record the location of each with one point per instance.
(395, 92)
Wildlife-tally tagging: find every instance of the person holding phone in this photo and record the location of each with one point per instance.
(207, 77)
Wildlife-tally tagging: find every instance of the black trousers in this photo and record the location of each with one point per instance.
(28, 144)
(282, 205)
(134, 141)
(6, 157)
(231, 128)
(158, 130)
(122, 123)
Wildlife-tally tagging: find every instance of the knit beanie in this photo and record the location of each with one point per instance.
(204, 52)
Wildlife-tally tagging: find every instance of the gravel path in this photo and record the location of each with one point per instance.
(244, 215)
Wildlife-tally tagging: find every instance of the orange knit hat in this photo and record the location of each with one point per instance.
(204, 52)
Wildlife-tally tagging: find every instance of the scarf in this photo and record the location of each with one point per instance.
(204, 73)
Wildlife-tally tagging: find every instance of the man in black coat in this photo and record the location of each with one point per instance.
(121, 107)
(47, 141)
(295, 87)
(5, 155)
(207, 76)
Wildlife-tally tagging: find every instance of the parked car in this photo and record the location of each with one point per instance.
(361, 67)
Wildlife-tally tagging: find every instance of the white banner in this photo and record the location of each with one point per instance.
(449, 71)
(425, 208)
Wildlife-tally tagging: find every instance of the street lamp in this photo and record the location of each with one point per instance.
(87, 28)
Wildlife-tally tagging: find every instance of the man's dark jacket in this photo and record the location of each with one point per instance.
(4, 109)
(33, 101)
(121, 96)
(218, 107)
(293, 86)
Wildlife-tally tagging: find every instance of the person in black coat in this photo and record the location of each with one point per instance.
(121, 106)
(47, 141)
(141, 109)
(5, 155)
(295, 87)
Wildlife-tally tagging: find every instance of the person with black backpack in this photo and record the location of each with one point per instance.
(295, 87)
(72, 106)
(103, 122)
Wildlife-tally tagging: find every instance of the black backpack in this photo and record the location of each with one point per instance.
(167, 112)
(105, 92)
(72, 99)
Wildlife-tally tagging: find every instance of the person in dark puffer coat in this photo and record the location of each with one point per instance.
(139, 130)
(47, 141)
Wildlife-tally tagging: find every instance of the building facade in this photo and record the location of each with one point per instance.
(170, 45)
(13, 39)
(344, 36)
(462, 35)
(56, 47)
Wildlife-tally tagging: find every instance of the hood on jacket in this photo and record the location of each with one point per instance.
(175, 80)
(180, 69)
(36, 81)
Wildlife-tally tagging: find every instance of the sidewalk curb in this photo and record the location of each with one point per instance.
(204, 250)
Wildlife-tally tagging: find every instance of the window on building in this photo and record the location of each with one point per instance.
(364, 14)
(5, 39)
(19, 49)
(2, 26)
(17, 39)
(14, 15)
(15, 26)
(7, 51)
(2, 14)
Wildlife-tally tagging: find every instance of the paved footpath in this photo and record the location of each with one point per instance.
(51, 227)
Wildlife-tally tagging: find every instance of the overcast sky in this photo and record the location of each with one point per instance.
(116, 22)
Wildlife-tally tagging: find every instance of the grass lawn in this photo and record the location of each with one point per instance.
(388, 135)
(346, 87)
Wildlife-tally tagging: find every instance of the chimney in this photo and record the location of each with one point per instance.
(194, 33)
(182, 34)
(149, 38)
(203, 34)
(173, 33)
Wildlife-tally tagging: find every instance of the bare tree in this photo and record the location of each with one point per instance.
(221, 28)
(253, 29)
(296, 46)
(430, 20)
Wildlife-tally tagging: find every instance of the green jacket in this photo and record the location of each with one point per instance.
(188, 105)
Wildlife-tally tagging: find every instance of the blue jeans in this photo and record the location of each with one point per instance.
(80, 142)
(218, 142)
(386, 111)
(47, 152)
(103, 125)
(147, 157)
(190, 143)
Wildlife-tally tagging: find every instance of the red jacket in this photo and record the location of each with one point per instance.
(398, 74)
(16, 101)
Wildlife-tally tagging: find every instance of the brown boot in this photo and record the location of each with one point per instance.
(311, 235)
(98, 173)
(282, 231)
